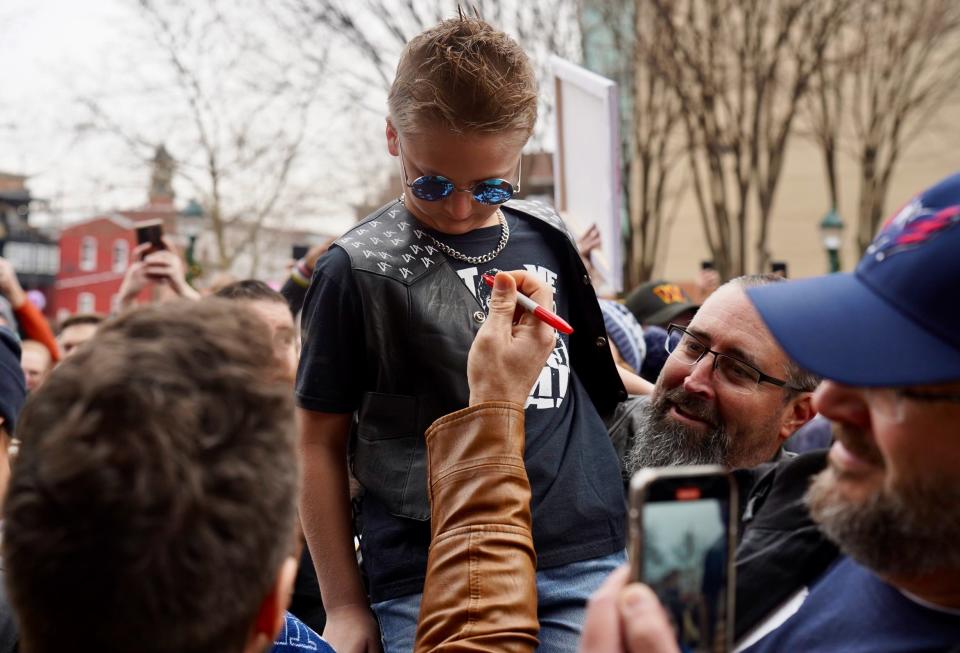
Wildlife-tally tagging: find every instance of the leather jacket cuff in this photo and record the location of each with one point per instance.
(476, 470)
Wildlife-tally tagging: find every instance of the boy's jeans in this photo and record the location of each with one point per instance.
(562, 594)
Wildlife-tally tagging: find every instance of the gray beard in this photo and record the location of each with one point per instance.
(907, 532)
(659, 441)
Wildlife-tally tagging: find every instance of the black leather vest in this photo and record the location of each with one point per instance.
(419, 321)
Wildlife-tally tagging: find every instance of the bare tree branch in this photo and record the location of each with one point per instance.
(741, 69)
(375, 31)
(242, 102)
(901, 67)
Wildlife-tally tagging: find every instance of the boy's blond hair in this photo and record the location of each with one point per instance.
(465, 76)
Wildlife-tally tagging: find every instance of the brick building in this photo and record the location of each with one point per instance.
(94, 253)
(93, 257)
(32, 252)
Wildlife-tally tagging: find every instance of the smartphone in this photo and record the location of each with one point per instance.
(682, 539)
(779, 267)
(151, 232)
(706, 265)
(299, 251)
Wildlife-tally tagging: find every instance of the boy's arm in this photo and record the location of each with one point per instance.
(326, 518)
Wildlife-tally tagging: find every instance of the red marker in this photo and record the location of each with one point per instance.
(539, 311)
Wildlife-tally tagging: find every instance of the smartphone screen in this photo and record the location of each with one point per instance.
(299, 251)
(151, 232)
(684, 554)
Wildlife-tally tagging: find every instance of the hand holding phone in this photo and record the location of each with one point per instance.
(151, 233)
(682, 539)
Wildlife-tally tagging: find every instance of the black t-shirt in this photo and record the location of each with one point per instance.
(578, 504)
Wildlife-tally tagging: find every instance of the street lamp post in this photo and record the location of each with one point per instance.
(190, 223)
(831, 230)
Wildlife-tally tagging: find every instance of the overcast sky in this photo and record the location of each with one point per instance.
(55, 52)
(49, 47)
(58, 52)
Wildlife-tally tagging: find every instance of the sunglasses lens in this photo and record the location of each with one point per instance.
(493, 191)
(431, 189)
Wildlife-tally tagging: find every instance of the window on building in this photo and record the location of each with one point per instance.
(121, 255)
(88, 253)
(86, 302)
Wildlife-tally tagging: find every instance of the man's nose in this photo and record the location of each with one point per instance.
(700, 378)
(842, 403)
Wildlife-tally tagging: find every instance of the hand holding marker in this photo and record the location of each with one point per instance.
(538, 311)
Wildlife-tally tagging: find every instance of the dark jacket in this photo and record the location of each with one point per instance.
(419, 322)
(782, 550)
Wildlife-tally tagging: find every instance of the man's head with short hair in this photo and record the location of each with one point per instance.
(798, 379)
(250, 290)
(888, 339)
(36, 361)
(695, 416)
(78, 329)
(152, 507)
(271, 307)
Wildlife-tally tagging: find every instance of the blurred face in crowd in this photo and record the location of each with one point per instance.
(890, 496)
(74, 336)
(283, 332)
(464, 159)
(35, 361)
(695, 417)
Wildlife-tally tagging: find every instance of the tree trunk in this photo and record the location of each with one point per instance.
(870, 204)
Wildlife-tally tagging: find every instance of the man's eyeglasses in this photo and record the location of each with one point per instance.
(739, 375)
(433, 188)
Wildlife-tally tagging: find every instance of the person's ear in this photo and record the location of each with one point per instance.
(273, 608)
(797, 412)
(393, 139)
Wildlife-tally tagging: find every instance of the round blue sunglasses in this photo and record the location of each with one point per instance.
(433, 188)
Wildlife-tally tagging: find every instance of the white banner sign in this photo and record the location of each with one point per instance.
(586, 166)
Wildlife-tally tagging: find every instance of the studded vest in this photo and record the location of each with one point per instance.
(419, 321)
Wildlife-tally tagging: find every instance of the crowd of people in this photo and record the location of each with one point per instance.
(422, 464)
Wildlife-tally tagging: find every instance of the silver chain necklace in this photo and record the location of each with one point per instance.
(475, 260)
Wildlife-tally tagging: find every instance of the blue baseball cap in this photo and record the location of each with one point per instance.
(895, 321)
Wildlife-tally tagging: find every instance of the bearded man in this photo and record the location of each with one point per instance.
(728, 394)
(887, 495)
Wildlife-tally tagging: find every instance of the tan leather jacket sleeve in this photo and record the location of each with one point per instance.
(480, 593)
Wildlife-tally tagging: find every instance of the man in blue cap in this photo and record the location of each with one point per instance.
(887, 339)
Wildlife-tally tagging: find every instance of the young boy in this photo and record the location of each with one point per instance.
(391, 313)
